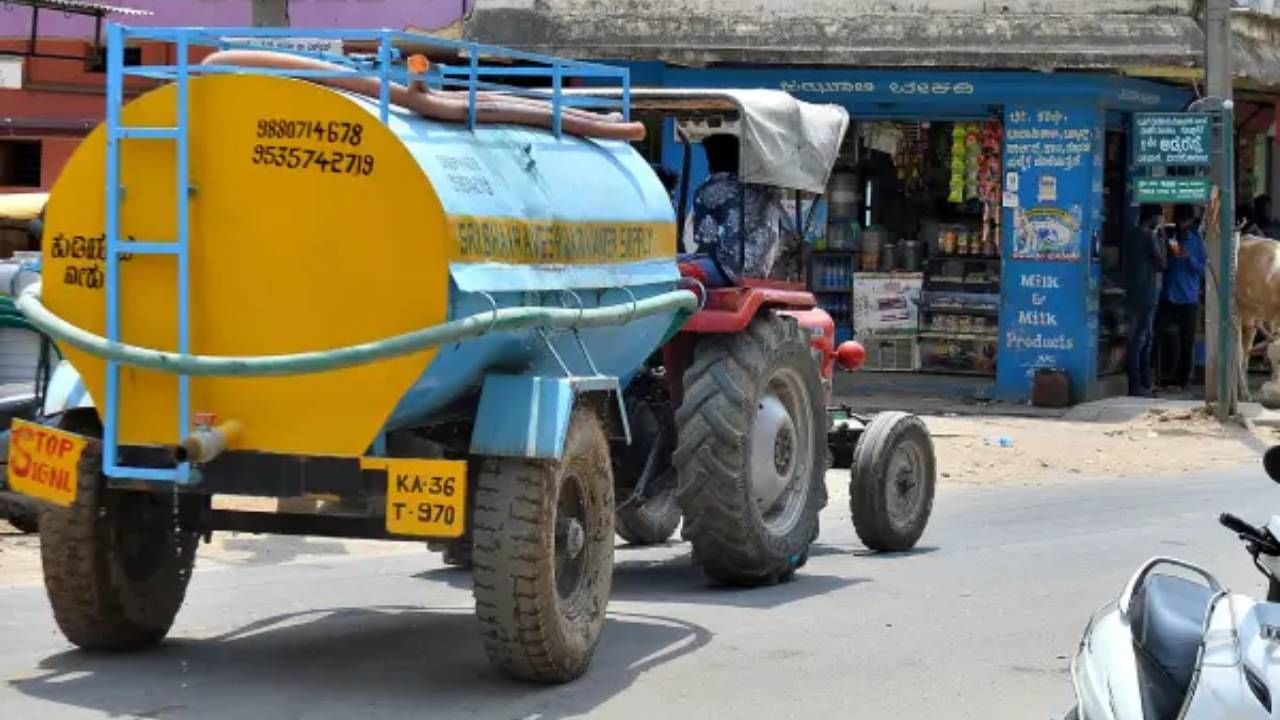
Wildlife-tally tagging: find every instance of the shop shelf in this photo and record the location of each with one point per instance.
(949, 309)
(965, 258)
(933, 335)
(958, 353)
(888, 353)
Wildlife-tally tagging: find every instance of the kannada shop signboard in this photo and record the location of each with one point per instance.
(1172, 190)
(1172, 139)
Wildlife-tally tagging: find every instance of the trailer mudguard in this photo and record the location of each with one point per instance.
(527, 416)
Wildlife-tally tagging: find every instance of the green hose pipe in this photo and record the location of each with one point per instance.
(682, 302)
(17, 322)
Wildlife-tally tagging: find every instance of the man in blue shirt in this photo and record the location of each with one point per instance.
(1180, 297)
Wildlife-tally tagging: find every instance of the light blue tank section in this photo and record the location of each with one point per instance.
(507, 172)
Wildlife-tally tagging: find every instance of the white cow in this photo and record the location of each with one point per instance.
(1257, 297)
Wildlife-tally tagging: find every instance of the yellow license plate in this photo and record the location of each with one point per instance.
(44, 462)
(425, 498)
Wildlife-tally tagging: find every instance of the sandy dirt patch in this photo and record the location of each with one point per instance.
(996, 450)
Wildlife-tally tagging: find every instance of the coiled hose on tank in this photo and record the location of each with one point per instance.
(682, 302)
(491, 107)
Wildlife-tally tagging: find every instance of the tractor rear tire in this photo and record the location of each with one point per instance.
(542, 555)
(752, 453)
(892, 483)
(116, 566)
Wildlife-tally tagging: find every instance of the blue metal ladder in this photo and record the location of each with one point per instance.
(117, 134)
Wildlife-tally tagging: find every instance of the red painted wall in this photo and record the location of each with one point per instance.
(60, 100)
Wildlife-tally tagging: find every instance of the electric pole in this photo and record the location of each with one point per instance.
(1221, 349)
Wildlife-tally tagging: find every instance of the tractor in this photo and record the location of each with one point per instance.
(732, 427)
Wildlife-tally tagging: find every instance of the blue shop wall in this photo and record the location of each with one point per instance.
(1055, 128)
(1051, 227)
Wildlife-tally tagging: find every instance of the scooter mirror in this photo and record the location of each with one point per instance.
(1271, 461)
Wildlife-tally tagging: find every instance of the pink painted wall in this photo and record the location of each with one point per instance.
(395, 14)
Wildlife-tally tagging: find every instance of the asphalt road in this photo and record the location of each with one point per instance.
(977, 623)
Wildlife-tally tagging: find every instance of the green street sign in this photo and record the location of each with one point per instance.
(1172, 139)
(1192, 190)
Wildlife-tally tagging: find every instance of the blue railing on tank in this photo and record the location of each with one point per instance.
(480, 66)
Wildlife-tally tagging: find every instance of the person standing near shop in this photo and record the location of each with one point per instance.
(1180, 298)
(1144, 262)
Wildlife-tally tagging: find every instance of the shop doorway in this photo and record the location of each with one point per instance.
(910, 264)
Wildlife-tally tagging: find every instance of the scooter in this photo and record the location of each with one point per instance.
(1176, 645)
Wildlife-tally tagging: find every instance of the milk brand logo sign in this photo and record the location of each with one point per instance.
(1046, 233)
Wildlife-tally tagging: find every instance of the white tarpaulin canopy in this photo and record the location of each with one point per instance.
(785, 142)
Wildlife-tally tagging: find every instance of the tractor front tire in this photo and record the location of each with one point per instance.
(752, 453)
(892, 483)
(542, 555)
(116, 565)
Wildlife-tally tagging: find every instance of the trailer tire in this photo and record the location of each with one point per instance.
(542, 555)
(116, 568)
(457, 555)
(25, 522)
(892, 483)
(841, 459)
(752, 413)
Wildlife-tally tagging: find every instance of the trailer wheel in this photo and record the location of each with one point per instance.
(542, 555)
(116, 566)
(457, 555)
(26, 522)
(892, 483)
(752, 453)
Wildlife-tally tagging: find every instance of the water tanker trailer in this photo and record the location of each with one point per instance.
(410, 307)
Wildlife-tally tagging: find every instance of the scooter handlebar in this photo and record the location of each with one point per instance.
(1236, 525)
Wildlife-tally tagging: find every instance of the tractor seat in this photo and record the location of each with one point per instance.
(1167, 617)
(702, 268)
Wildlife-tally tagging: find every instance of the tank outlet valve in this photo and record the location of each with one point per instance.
(207, 442)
